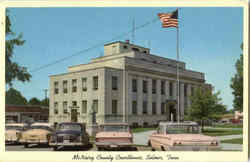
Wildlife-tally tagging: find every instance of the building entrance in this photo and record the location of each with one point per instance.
(172, 111)
(73, 115)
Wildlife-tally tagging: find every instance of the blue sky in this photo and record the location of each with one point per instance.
(210, 40)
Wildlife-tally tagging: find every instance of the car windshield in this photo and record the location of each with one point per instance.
(41, 127)
(115, 128)
(182, 129)
(75, 127)
(13, 127)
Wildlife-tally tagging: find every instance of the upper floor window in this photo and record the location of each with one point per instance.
(95, 82)
(134, 107)
(65, 86)
(170, 89)
(163, 87)
(114, 106)
(84, 84)
(145, 86)
(134, 85)
(153, 108)
(114, 83)
(153, 86)
(74, 103)
(56, 108)
(74, 85)
(56, 88)
(95, 105)
(84, 106)
(136, 49)
(65, 107)
(163, 108)
(145, 107)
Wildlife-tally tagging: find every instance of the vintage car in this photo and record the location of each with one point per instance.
(185, 136)
(113, 136)
(11, 131)
(38, 133)
(70, 134)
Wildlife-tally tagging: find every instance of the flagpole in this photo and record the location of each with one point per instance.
(178, 80)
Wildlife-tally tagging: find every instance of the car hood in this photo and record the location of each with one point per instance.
(71, 132)
(191, 137)
(113, 134)
(36, 132)
(11, 132)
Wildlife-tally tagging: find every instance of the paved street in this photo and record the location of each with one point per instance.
(142, 137)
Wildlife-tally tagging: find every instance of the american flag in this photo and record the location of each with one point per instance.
(169, 19)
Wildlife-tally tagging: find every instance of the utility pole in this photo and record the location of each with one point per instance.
(45, 90)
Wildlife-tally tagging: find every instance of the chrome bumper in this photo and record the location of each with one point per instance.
(112, 144)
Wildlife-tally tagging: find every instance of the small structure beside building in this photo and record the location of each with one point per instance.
(26, 114)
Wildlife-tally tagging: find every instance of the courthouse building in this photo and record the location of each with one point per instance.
(127, 84)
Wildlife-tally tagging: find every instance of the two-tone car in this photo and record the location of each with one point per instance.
(70, 134)
(38, 133)
(184, 136)
(113, 136)
(12, 130)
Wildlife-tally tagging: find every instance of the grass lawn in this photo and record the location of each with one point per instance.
(137, 130)
(228, 126)
(234, 141)
(220, 132)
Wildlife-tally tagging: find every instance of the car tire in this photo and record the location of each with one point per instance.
(100, 149)
(55, 148)
(149, 143)
(26, 145)
(153, 149)
(162, 148)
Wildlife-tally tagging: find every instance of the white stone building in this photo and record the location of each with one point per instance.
(126, 84)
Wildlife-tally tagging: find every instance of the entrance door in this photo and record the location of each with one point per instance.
(73, 115)
(172, 111)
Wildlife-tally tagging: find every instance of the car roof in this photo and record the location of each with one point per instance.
(187, 123)
(16, 124)
(114, 124)
(42, 124)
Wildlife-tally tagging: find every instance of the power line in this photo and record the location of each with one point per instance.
(95, 46)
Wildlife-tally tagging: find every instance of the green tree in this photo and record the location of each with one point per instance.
(204, 106)
(237, 84)
(13, 71)
(45, 102)
(14, 97)
(34, 101)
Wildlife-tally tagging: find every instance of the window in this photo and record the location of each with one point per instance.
(153, 107)
(170, 89)
(134, 107)
(145, 109)
(74, 103)
(185, 90)
(114, 83)
(134, 85)
(84, 106)
(65, 104)
(145, 86)
(74, 86)
(95, 82)
(56, 108)
(84, 84)
(163, 108)
(125, 47)
(114, 106)
(95, 105)
(153, 86)
(56, 90)
(136, 49)
(144, 51)
(65, 86)
(163, 87)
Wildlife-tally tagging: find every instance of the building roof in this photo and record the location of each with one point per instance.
(26, 109)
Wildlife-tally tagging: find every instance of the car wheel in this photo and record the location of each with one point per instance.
(55, 148)
(149, 143)
(162, 148)
(26, 145)
(100, 149)
(153, 149)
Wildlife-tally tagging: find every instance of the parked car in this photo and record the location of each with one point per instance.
(38, 133)
(11, 131)
(185, 136)
(70, 134)
(113, 135)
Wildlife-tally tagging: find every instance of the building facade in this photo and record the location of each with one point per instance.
(26, 114)
(126, 84)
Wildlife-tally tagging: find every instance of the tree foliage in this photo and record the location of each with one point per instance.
(13, 71)
(14, 97)
(45, 102)
(237, 84)
(204, 106)
(34, 101)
